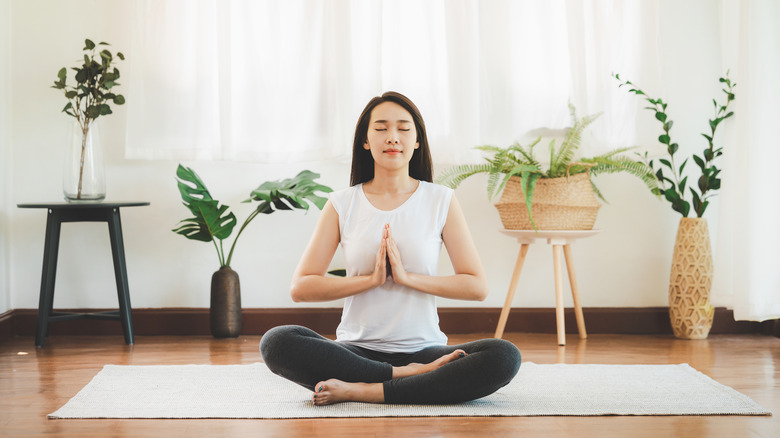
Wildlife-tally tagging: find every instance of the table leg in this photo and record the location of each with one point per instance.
(48, 275)
(575, 292)
(510, 294)
(120, 272)
(559, 318)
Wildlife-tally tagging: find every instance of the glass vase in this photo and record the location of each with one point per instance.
(84, 178)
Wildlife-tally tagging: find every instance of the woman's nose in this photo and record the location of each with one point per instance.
(392, 138)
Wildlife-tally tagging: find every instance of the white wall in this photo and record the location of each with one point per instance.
(5, 155)
(627, 265)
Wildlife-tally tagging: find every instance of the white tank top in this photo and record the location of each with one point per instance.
(392, 318)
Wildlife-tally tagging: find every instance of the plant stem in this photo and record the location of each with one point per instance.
(220, 254)
(265, 207)
(84, 132)
(233, 246)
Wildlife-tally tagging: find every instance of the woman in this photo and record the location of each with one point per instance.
(390, 224)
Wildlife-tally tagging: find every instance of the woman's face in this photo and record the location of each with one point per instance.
(391, 136)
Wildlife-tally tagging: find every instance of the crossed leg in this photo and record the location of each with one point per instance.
(335, 391)
(336, 372)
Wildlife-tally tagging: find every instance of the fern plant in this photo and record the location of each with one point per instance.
(502, 163)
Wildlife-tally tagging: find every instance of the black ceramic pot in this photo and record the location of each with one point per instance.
(225, 312)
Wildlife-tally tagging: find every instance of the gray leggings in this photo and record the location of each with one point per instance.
(306, 358)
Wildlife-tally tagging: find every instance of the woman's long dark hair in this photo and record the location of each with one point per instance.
(420, 167)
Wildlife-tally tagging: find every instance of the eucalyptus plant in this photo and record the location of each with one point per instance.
(517, 160)
(89, 97)
(672, 185)
(212, 222)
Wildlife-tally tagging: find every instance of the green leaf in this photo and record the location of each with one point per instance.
(660, 116)
(106, 55)
(191, 186)
(682, 166)
(703, 183)
(528, 186)
(120, 55)
(191, 228)
(62, 74)
(673, 148)
(104, 109)
(697, 205)
(699, 162)
(67, 107)
(663, 138)
(88, 45)
(71, 94)
(210, 220)
(338, 272)
(119, 99)
(93, 111)
(209, 217)
(82, 75)
(298, 191)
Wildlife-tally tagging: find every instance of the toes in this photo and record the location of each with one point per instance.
(320, 396)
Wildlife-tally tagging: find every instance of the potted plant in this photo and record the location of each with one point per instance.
(212, 222)
(88, 99)
(691, 276)
(562, 196)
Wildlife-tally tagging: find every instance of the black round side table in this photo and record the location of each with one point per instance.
(59, 212)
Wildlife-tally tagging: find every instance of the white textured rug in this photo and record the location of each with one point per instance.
(252, 391)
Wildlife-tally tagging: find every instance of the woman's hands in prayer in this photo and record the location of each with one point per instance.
(388, 259)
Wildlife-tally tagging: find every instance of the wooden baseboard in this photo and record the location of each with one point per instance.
(7, 325)
(453, 320)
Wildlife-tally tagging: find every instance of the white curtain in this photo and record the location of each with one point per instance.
(285, 80)
(747, 268)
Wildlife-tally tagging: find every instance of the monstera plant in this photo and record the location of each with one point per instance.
(212, 222)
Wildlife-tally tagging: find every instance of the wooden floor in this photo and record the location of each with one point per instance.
(37, 381)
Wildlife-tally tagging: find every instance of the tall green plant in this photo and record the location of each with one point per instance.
(672, 185)
(212, 222)
(89, 97)
(502, 163)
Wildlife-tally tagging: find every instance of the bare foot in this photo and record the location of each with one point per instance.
(336, 391)
(414, 369)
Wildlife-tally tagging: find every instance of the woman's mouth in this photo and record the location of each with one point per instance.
(392, 151)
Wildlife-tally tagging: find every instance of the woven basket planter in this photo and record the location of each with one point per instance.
(566, 203)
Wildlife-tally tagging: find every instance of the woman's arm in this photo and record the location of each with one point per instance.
(310, 283)
(469, 281)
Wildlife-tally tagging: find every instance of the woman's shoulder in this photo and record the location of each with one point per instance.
(342, 197)
(436, 190)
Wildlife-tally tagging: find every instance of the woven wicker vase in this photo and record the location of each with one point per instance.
(566, 203)
(690, 281)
